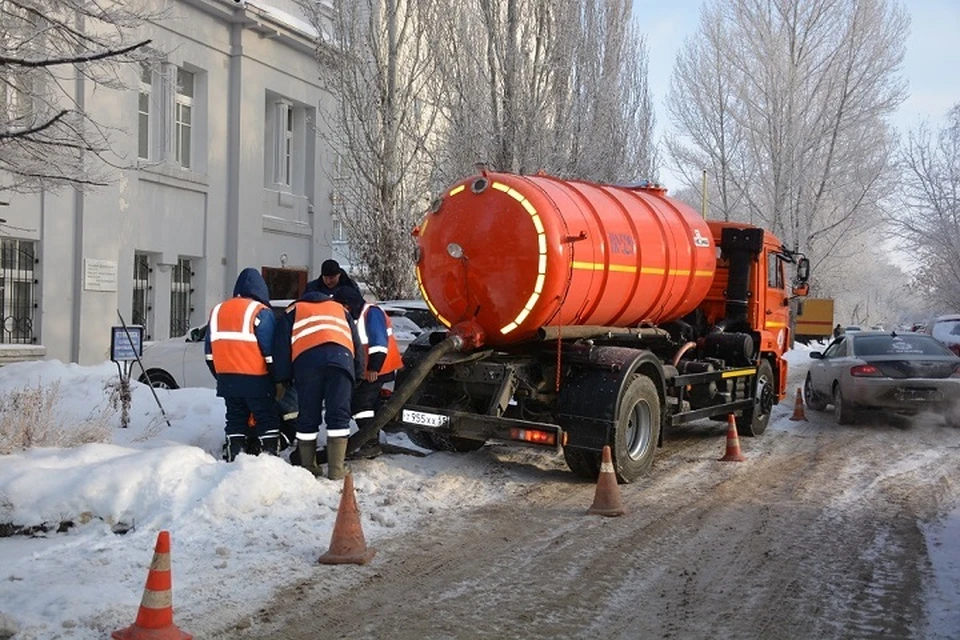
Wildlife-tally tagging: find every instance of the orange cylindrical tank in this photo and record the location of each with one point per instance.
(511, 254)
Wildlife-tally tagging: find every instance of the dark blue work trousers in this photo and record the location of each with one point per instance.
(324, 394)
(264, 410)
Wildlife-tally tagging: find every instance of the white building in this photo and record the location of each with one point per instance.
(227, 172)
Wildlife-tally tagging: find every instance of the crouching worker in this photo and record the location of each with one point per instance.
(325, 351)
(239, 352)
(382, 358)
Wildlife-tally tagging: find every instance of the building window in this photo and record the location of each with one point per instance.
(142, 286)
(283, 135)
(181, 298)
(18, 291)
(183, 117)
(146, 90)
(339, 235)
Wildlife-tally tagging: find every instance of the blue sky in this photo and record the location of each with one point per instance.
(931, 65)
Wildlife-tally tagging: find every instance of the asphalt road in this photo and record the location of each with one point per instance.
(816, 535)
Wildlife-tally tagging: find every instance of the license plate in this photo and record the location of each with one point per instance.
(424, 419)
(917, 395)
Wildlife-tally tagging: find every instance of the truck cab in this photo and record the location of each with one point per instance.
(766, 300)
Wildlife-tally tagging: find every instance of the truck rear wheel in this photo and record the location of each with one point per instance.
(638, 429)
(634, 439)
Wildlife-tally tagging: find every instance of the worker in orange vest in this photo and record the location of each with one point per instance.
(326, 358)
(382, 358)
(239, 352)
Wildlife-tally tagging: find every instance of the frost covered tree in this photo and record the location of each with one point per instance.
(785, 104)
(541, 85)
(51, 53)
(928, 221)
(375, 64)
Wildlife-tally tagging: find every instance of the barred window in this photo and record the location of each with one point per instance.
(142, 287)
(18, 291)
(181, 298)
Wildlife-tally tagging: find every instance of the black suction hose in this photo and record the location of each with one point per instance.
(400, 396)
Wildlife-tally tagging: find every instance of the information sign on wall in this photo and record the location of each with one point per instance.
(99, 275)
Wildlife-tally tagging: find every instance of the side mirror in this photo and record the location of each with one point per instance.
(803, 270)
(816, 355)
(801, 289)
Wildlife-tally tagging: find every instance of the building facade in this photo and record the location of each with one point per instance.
(225, 171)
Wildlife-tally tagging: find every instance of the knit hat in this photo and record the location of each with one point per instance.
(330, 268)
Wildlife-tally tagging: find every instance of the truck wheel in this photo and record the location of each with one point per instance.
(814, 401)
(756, 418)
(638, 429)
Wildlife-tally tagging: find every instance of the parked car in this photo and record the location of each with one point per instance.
(416, 310)
(946, 329)
(179, 362)
(902, 373)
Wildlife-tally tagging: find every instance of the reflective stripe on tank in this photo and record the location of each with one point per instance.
(426, 298)
(629, 268)
(541, 263)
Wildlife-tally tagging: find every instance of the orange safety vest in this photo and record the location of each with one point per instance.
(316, 323)
(394, 360)
(233, 343)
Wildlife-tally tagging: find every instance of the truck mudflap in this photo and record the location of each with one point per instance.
(482, 428)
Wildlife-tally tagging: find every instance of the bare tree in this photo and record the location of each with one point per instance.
(928, 220)
(51, 52)
(376, 66)
(785, 103)
(541, 85)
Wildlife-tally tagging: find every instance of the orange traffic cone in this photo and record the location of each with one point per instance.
(155, 618)
(606, 500)
(347, 545)
(798, 413)
(733, 442)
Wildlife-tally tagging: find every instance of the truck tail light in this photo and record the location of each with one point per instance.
(534, 436)
(865, 371)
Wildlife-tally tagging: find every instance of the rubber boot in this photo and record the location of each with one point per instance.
(270, 445)
(368, 450)
(308, 450)
(235, 446)
(336, 455)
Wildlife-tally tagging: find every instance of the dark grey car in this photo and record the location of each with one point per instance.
(901, 373)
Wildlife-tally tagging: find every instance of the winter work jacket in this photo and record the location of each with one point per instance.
(320, 332)
(239, 340)
(376, 336)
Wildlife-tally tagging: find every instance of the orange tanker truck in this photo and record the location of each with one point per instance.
(581, 315)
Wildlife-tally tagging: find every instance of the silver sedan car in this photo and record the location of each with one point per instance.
(899, 373)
